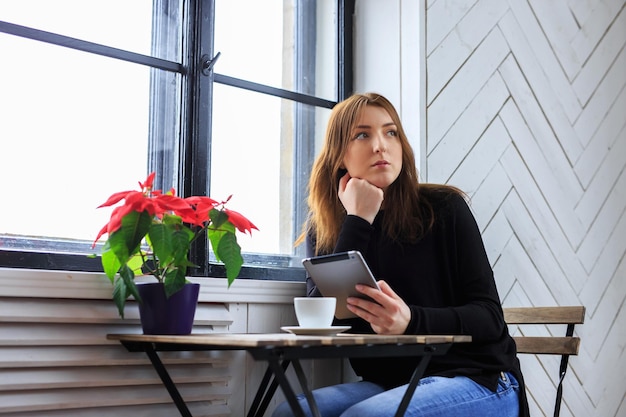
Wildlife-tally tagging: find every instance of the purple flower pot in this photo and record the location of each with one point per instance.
(162, 315)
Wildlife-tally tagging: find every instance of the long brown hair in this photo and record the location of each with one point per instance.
(407, 215)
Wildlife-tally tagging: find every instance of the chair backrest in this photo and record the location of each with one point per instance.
(550, 345)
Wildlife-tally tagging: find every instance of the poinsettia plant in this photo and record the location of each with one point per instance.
(151, 234)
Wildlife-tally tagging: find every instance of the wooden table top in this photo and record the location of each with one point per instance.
(248, 340)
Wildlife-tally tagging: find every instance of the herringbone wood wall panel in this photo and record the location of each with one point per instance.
(526, 111)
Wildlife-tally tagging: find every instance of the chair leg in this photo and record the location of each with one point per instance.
(562, 371)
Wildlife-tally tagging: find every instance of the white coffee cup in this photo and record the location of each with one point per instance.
(315, 312)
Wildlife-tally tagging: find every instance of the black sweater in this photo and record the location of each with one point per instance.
(447, 281)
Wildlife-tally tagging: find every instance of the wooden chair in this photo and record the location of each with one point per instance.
(548, 345)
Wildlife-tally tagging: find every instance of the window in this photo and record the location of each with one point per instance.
(219, 97)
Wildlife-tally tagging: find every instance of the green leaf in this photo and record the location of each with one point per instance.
(229, 252)
(218, 218)
(125, 241)
(119, 295)
(123, 287)
(217, 231)
(174, 281)
(180, 245)
(135, 263)
(129, 279)
(110, 264)
(161, 241)
(135, 227)
(117, 244)
(215, 236)
(172, 219)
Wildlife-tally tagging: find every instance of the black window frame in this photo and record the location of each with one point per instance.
(194, 171)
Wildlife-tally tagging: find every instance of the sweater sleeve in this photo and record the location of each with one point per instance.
(354, 235)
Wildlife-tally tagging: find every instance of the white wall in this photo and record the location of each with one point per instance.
(388, 44)
(522, 105)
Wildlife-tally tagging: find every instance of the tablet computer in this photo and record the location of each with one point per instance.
(336, 275)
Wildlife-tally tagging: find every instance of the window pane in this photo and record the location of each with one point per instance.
(118, 23)
(77, 127)
(287, 44)
(73, 131)
(253, 146)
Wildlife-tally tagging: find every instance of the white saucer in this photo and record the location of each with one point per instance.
(312, 331)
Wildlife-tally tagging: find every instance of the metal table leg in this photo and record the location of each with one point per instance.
(279, 375)
(265, 392)
(305, 388)
(167, 381)
(410, 389)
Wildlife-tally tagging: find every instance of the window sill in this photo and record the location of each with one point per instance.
(19, 259)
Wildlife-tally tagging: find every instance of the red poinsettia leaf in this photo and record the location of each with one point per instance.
(115, 198)
(201, 206)
(114, 223)
(100, 233)
(202, 202)
(149, 181)
(116, 217)
(167, 202)
(240, 222)
(137, 201)
(192, 217)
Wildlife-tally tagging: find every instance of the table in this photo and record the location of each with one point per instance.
(280, 350)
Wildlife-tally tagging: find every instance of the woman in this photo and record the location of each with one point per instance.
(423, 243)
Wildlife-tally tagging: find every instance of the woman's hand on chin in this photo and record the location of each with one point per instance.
(360, 198)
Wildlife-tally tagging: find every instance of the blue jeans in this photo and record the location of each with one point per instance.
(435, 396)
